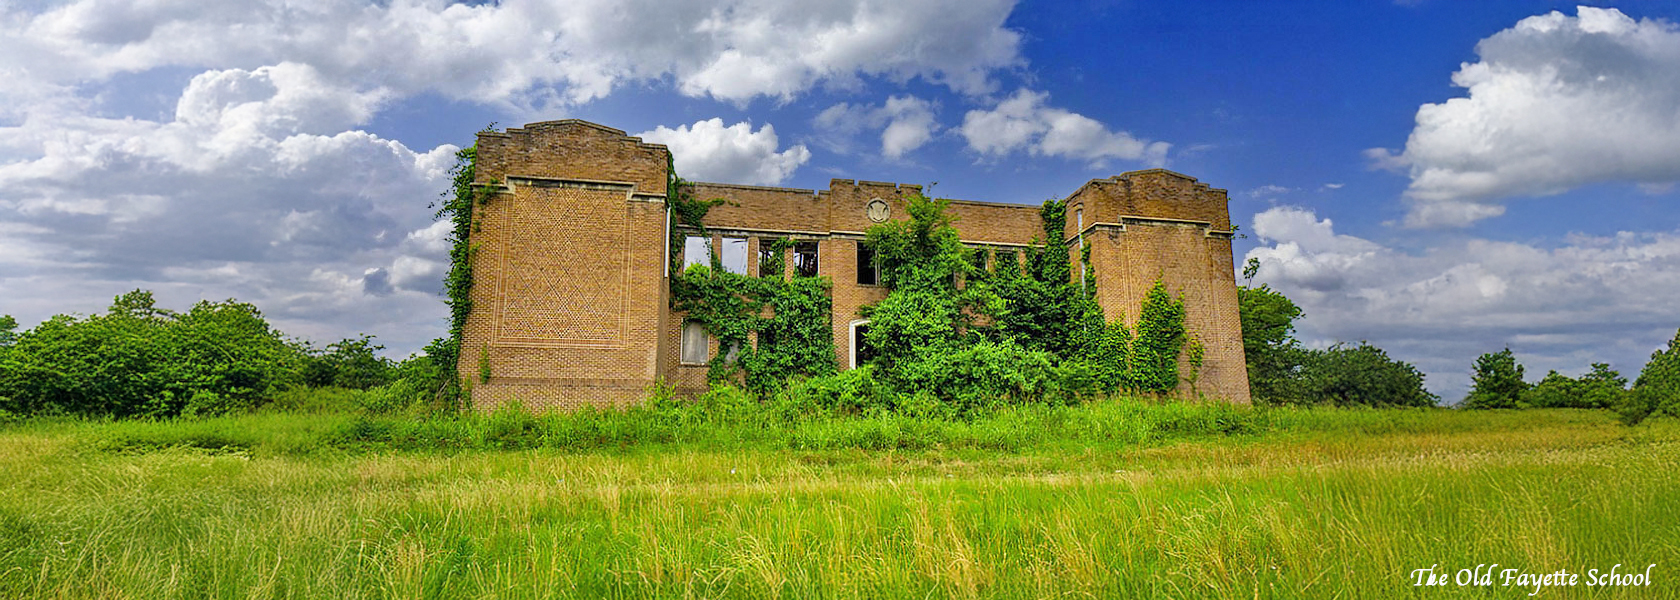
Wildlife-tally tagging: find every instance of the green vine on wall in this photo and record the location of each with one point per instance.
(460, 205)
(794, 338)
(1160, 339)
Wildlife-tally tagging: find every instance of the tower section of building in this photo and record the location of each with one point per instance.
(569, 262)
(1157, 225)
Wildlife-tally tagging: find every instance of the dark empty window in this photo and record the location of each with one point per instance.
(805, 259)
(867, 272)
(977, 258)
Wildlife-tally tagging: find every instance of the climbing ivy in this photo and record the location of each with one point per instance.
(1026, 314)
(685, 210)
(773, 260)
(1044, 307)
(795, 338)
(1153, 364)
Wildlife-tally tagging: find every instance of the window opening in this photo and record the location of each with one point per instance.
(805, 259)
(861, 353)
(697, 250)
(735, 255)
(867, 272)
(695, 343)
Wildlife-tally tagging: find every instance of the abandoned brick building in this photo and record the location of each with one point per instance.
(571, 303)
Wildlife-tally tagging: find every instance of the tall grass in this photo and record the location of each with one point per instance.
(705, 424)
(1113, 499)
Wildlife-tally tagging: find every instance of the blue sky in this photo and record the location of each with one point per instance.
(1439, 178)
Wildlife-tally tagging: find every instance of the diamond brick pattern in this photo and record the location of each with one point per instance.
(564, 261)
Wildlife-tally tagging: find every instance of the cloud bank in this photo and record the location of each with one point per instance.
(1560, 306)
(244, 170)
(1555, 103)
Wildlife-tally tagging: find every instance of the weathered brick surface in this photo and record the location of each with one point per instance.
(1160, 225)
(571, 301)
(569, 295)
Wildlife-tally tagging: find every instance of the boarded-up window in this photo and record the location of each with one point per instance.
(697, 250)
(867, 272)
(735, 255)
(805, 259)
(695, 343)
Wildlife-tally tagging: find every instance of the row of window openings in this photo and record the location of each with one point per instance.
(697, 250)
(697, 344)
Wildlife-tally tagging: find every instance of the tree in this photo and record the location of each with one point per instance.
(1273, 354)
(140, 360)
(1497, 381)
(920, 260)
(1658, 387)
(8, 331)
(1360, 375)
(349, 363)
(1043, 307)
(1600, 388)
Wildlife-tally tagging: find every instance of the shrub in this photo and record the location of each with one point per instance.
(1361, 375)
(848, 392)
(139, 360)
(1657, 390)
(976, 374)
(1497, 382)
(1600, 388)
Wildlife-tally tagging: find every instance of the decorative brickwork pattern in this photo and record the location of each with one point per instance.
(581, 300)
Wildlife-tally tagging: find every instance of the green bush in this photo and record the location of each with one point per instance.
(1657, 390)
(139, 360)
(1497, 382)
(1601, 388)
(971, 376)
(850, 392)
(1361, 375)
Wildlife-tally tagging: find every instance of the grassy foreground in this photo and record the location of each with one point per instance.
(1114, 499)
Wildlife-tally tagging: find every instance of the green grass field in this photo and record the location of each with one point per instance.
(1112, 499)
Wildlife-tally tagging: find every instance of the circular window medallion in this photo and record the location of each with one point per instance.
(878, 210)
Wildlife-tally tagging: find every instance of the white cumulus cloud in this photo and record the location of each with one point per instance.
(905, 122)
(1555, 103)
(527, 52)
(710, 151)
(1025, 122)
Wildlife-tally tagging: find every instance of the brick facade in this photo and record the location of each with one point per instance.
(571, 302)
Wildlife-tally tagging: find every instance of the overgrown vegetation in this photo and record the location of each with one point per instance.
(789, 317)
(952, 336)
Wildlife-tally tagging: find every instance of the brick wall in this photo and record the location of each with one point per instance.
(1160, 225)
(571, 304)
(569, 295)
